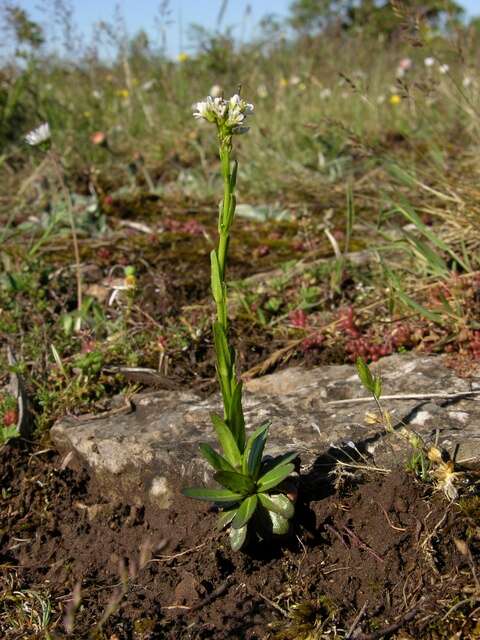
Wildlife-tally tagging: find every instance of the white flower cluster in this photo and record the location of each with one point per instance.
(39, 135)
(230, 114)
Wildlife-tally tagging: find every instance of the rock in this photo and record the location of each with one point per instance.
(147, 452)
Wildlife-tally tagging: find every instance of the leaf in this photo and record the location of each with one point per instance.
(409, 302)
(227, 441)
(221, 345)
(275, 476)
(365, 374)
(217, 287)
(377, 387)
(256, 453)
(236, 421)
(267, 465)
(280, 525)
(237, 537)
(225, 517)
(212, 495)
(235, 482)
(217, 461)
(414, 218)
(278, 503)
(245, 512)
(250, 441)
(224, 360)
(233, 175)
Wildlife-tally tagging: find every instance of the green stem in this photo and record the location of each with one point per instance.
(231, 388)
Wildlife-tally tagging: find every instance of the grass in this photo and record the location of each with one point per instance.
(327, 140)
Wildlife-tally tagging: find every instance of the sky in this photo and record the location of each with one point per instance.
(242, 15)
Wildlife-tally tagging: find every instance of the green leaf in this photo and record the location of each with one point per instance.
(377, 387)
(233, 175)
(410, 302)
(236, 421)
(364, 374)
(256, 452)
(245, 512)
(212, 495)
(277, 503)
(280, 525)
(226, 517)
(217, 461)
(246, 454)
(237, 537)
(269, 464)
(227, 441)
(235, 482)
(275, 476)
(217, 287)
(231, 210)
(412, 216)
(224, 358)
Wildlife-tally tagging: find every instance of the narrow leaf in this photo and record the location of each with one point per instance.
(225, 518)
(217, 461)
(275, 476)
(270, 463)
(212, 495)
(245, 512)
(235, 481)
(223, 354)
(364, 374)
(227, 441)
(250, 441)
(217, 288)
(236, 420)
(256, 453)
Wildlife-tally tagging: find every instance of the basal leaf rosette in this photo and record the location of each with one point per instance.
(250, 495)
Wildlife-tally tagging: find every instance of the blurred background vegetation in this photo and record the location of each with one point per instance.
(364, 144)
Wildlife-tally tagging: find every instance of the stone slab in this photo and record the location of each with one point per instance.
(146, 451)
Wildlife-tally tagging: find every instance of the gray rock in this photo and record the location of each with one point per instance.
(146, 452)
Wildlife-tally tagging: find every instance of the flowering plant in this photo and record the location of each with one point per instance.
(251, 495)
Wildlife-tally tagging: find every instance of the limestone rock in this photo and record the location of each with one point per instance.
(146, 453)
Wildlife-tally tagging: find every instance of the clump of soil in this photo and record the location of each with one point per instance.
(385, 553)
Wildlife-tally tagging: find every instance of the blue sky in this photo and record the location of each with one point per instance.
(140, 14)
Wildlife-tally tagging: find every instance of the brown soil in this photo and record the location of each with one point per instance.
(383, 551)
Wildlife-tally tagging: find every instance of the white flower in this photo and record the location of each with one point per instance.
(38, 135)
(224, 113)
(467, 81)
(294, 80)
(429, 62)
(216, 91)
(325, 93)
(444, 68)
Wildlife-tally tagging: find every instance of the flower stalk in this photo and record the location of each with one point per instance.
(251, 497)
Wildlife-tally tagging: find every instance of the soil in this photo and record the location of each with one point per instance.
(381, 554)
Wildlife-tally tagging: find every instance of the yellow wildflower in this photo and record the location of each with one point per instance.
(182, 56)
(395, 99)
(123, 93)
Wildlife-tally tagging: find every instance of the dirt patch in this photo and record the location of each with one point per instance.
(383, 551)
